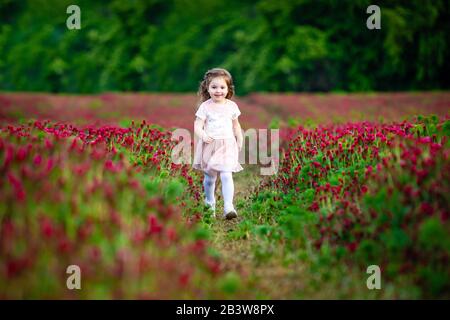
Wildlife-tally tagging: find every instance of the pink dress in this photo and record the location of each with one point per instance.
(222, 154)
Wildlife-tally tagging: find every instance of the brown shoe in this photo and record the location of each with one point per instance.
(230, 215)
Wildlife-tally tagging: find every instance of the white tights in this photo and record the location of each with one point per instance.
(227, 189)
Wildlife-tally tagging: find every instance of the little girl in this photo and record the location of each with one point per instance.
(220, 134)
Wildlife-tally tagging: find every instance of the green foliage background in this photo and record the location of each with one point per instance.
(268, 45)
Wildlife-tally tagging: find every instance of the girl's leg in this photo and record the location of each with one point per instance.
(209, 182)
(227, 191)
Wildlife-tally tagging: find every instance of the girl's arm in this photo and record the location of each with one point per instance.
(238, 132)
(198, 130)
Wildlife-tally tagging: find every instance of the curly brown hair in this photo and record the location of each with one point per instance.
(209, 75)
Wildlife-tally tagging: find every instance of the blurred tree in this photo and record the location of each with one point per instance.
(268, 45)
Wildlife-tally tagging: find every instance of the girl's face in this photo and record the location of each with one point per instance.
(218, 89)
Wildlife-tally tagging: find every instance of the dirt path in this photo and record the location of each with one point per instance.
(272, 279)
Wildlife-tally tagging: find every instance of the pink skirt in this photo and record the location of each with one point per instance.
(219, 155)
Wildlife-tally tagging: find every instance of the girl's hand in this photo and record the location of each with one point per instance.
(238, 133)
(207, 138)
(198, 129)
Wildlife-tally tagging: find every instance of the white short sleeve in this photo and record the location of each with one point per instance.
(201, 112)
(236, 112)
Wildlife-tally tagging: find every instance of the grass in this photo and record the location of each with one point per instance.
(276, 273)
